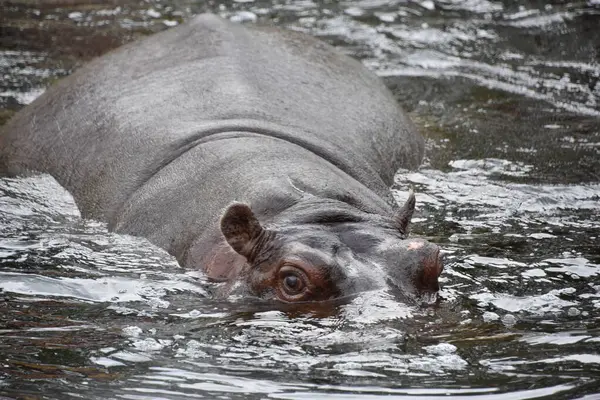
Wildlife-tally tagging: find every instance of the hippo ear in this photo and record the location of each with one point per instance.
(404, 215)
(241, 229)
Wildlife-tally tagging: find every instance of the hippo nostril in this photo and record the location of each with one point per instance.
(432, 268)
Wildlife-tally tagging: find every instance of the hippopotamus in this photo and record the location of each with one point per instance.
(259, 155)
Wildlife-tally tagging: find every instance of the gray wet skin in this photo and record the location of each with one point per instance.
(259, 155)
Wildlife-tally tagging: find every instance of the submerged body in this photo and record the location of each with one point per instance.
(255, 154)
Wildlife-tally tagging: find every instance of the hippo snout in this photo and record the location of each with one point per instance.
(421, 264)
(428, 264)
(430, 269)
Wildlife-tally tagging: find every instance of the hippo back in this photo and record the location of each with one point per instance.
(109, 127)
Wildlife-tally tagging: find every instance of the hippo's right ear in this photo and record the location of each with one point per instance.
(404, 215)
(241, 229)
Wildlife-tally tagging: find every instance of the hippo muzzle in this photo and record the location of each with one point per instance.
(418, 266)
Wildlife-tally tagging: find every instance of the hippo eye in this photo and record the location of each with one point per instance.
(293, 283)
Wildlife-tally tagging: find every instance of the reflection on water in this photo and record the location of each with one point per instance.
(507, 96)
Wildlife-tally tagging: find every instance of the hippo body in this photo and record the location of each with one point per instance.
(253, 153)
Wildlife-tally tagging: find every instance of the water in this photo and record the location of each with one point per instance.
(508, 98)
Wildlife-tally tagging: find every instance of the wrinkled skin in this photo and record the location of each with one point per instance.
(259, 155)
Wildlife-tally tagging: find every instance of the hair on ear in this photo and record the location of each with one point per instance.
(241, 228)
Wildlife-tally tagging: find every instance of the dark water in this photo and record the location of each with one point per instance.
(508, 97)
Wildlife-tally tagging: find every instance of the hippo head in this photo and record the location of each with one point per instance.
(317, 253)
